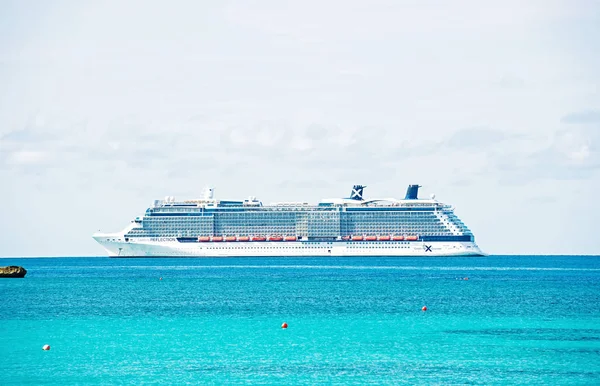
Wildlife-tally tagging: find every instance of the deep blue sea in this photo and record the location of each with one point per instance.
(516, 320)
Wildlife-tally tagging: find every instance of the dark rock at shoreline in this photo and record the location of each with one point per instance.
(12, 271)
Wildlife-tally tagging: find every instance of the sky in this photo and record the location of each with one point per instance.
(493, 106)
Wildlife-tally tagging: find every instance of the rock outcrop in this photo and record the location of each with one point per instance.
(12, 271)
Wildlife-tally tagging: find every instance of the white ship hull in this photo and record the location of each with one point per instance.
(116, 246)
(335, 227)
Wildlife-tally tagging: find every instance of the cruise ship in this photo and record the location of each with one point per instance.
(352, 226)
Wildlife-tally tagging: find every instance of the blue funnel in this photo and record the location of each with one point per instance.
(412, 192)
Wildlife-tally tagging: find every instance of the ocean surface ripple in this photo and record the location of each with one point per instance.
(489, 320)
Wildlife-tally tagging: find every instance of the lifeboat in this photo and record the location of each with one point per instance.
(275, 238)
(290, 238)
(230, 238)
(243, 238)
(357, 238)
(258, 238)
(217, 238)
(345, 237)
(384, 238)
(412, 238)
(398, 238)
(203, 239)
(371, 238)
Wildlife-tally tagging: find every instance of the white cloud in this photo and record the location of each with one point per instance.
(580, 155)
(113, 145)
(27, 157)
(573, 145)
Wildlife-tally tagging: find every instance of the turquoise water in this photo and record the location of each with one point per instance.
(518, 319)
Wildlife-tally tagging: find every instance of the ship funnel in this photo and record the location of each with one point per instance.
(412, 192)
(357, 192)
(209, 193)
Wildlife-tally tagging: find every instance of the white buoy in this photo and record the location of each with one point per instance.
(46, 347)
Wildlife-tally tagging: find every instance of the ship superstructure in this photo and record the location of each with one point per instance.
(353, 226)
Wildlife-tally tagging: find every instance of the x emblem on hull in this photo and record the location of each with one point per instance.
(427, 248)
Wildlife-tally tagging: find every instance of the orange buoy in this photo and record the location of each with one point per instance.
(466, 278)
(284, 325)
(46, 347)
(424, 308)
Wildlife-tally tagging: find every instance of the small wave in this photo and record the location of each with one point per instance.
(331, 267)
